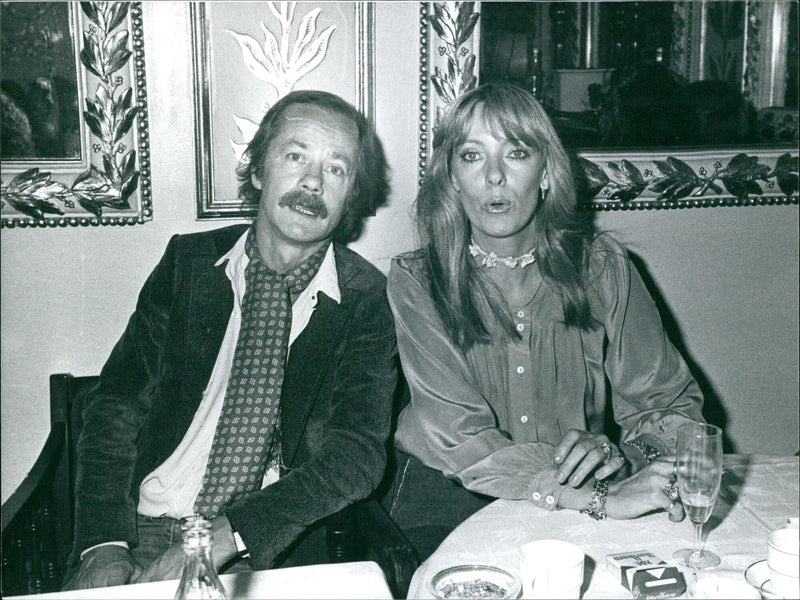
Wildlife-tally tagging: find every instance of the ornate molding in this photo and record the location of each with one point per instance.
(614, 180)
(446, 61)
(686, 183)
(116, 117)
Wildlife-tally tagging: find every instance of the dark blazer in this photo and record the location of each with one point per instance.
(335, 402)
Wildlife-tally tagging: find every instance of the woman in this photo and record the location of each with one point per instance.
(521, 335)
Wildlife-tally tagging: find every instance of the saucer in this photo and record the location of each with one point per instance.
(757, 575)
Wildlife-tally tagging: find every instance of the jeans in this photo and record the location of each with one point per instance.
(426, 505)
(156, 534)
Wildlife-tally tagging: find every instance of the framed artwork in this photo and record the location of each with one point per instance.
(556, 49)
(74, 115)
(247, 55)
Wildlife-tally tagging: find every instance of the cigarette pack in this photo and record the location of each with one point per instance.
(646, 575)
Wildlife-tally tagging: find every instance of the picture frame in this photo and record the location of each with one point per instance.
(104, 176)
(265, 50)
(611, 179)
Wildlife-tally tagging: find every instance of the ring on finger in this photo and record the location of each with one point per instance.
(606, 448)
(671, 490)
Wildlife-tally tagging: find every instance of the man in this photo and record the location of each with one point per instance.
(198, 408)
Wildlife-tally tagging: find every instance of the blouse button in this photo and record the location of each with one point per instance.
(520, 370)
(521, 313)
(520, 326)
(549, 499)
(524, 418)
(537, 496)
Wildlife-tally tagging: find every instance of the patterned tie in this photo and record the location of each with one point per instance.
(247, 437)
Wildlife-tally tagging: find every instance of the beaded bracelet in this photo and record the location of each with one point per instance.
(597, 501)
(650, 453)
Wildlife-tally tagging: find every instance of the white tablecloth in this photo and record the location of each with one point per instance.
(758, 494)
(342, 580)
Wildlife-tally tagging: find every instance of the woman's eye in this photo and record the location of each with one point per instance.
(469, 156)
(293, 156)
(519, 154)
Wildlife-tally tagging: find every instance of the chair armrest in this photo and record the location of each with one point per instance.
(33, 524)
(40, 474)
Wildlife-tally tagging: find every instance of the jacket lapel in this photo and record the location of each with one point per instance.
(310, 358)
(211, 304)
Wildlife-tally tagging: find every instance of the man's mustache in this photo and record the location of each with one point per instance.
(306, 201)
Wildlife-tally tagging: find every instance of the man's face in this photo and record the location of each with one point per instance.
(307, 175)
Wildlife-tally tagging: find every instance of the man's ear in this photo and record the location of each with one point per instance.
(255, 181)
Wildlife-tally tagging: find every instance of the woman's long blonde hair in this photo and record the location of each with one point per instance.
(468, 302)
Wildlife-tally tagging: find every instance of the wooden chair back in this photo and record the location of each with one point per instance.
(38, 518)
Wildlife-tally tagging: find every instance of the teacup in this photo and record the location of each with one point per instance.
(783, 558)
(551, 569)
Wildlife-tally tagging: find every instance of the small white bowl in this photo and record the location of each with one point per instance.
(475, 581)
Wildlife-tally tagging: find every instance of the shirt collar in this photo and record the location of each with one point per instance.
(326, 280)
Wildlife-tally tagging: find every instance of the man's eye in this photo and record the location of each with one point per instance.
(294, 156)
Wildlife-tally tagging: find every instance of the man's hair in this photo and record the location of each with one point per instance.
(469, 303)
(370, 185)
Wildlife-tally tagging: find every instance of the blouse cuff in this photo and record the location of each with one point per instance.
(659, 445)
(544, 490)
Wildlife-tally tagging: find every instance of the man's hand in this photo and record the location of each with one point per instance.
(170, 564)
(167, 566)
(104, 566)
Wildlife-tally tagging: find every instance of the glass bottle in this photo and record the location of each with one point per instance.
(199, 579)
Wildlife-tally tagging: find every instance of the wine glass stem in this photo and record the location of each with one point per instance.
(698, 542)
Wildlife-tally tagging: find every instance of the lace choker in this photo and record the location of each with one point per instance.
(490, 259)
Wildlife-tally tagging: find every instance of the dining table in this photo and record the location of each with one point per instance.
(338, 580)
(758, 494)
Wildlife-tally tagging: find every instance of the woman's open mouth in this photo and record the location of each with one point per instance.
(498, 205)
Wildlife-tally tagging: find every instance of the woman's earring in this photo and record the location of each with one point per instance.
(543, 194)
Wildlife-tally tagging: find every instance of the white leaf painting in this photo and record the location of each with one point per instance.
(273, 62)
(248, 129)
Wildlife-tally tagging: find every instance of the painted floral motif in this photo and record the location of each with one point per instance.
(454, 23)
(675, 180)
(278, 62)
(109, 116)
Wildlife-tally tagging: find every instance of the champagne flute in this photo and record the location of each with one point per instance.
(699, 469)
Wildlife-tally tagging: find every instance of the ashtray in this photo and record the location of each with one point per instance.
(475, 581)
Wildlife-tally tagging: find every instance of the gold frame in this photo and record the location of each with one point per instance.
(614, 180)
(110, 183)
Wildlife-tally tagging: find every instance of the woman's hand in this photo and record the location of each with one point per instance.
(581, 454)
(645, 491)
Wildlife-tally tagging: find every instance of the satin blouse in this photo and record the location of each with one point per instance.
(492, 416)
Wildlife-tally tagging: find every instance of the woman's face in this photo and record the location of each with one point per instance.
(498, 181)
